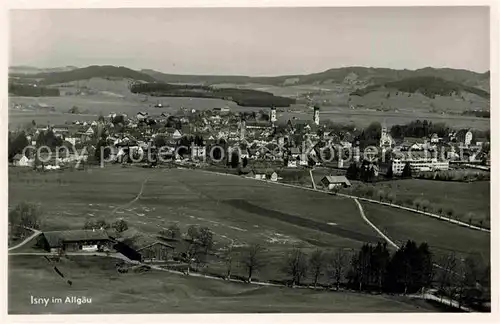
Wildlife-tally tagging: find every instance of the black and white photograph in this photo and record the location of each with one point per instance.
(248, 160)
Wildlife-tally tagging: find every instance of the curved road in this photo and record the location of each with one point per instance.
(26, 240)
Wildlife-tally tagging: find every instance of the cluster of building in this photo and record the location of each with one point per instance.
(256, 136)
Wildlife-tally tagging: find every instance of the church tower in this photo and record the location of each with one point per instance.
(273, 115)
(385, 137)
(316, 115)
(243, 127)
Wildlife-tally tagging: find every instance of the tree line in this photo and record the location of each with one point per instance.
(25, 90)
(243, 97)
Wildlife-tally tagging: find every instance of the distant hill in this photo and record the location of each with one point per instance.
(357, 76)
(429, 86)
(23, 69)
(95, 71)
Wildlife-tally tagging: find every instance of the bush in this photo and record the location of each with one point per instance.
(120, 226)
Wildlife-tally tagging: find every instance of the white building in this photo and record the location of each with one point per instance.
(468, 138)
(385, 138)
(316, 115)
(273, 115)
(418, 163)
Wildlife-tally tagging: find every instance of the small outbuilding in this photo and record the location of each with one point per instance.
(332, 182)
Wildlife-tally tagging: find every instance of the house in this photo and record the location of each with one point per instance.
(74, 241)
(464, 137)
(177, 134)
(89, 131)
(60, 129)
(141, 116)
(21, 160)
(332, 182)
(198, 151)
(435, 138)
(156, 252)
(295, 153)
(72, 140)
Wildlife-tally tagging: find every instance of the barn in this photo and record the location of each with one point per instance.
(332, 182)
(75, 241)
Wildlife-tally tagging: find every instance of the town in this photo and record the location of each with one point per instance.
(210, 136)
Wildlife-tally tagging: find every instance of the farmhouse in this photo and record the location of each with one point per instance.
(156, 252)
(75, 241)
(332, 182)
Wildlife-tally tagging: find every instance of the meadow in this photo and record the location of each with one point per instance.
(443, 237)
(162, 292)
(238, 211)
(466, 199)
(131, 104)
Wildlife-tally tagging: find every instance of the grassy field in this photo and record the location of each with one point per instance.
(462, 197)
(442, 237)
(237, 210)
(105, 104)
(161, 292)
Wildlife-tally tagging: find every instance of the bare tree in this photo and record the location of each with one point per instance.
(173, 232)
(296, 265)
(337, 266)
(252, 260)
(193, 255)
(228, 259)
(391, 198)
(448, 265)
(417, 203)
(25, 215)
(424, 204)
(317, 264)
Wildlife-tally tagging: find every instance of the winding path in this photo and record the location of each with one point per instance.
(133, 200)
(362, 213)
(26, 240)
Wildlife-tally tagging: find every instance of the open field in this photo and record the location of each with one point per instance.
(442, 237)
(462, 197)
(102, 104)
(237, 210)
(161, 292)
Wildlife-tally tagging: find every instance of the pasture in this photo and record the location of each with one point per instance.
(162, 292)
(462, 197)
(238, 211)
(442, 237)
(106, 104)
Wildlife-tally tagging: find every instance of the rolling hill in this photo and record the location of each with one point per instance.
(356, 76)
(23, 69)
(94, 71)
(429, 86)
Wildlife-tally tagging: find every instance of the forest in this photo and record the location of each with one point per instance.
(243, 97)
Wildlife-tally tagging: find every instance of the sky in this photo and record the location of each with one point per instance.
(252, 41)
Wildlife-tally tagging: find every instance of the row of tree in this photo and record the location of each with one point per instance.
(119, 225)
(390, 196)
